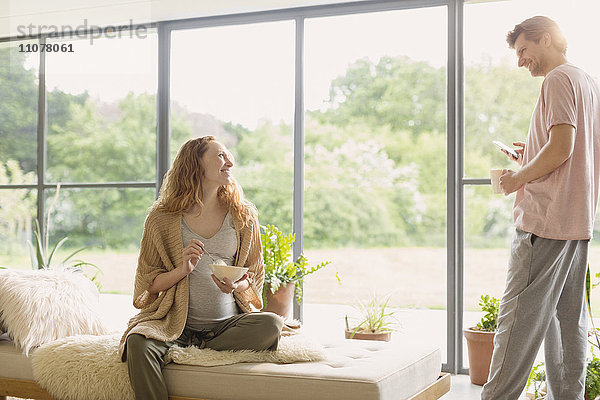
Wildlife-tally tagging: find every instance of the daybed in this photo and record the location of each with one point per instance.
(53, 315)
(354, 369)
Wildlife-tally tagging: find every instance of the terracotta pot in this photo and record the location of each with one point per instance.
(384, 337)
(481, 347)
(281, 302)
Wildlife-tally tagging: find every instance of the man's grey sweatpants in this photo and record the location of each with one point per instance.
(544, 300)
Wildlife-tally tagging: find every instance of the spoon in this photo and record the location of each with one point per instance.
(210, 255)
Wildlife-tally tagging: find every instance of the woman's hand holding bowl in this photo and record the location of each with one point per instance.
(228, 287)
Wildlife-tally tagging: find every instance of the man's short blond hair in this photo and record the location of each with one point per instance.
(534, 28)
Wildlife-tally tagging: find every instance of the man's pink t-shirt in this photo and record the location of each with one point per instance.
(562, 204)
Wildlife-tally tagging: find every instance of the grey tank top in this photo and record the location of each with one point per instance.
(209, 306)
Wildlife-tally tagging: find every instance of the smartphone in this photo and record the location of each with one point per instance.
(504, 147)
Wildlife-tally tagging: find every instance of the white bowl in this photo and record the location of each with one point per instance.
(227, 271)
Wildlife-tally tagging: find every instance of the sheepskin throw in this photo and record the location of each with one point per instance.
(40, 306)
(88, 367)
(291, 349)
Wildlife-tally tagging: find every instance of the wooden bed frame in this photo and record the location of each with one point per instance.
(31, 390)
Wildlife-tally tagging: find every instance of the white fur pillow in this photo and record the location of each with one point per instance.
(39, 306)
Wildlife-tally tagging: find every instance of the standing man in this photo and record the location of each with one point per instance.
(557, 191)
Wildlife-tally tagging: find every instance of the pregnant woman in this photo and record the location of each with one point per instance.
(201, 209)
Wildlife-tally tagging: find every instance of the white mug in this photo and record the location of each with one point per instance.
(495, 176)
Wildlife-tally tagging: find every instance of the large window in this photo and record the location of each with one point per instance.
(375, 154)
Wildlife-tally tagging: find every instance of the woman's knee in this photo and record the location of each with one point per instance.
(137, 350)
(274, 320)
(270, 324)
(140, 348)
(265, 330)
(136, 344)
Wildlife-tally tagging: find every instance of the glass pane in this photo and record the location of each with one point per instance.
(488, 235)
(109, 221)
(18, 209)
(18, 112)
(375, 176)
(102, 109)
(238, 85)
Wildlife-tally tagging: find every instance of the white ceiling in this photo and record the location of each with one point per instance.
(17, 16)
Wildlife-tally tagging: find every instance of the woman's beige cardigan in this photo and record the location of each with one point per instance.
(163, 316)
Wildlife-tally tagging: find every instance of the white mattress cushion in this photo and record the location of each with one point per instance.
(355, 369)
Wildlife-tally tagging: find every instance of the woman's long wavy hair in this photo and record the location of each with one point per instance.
(182, 186)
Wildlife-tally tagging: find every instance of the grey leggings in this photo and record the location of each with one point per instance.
(145, 357)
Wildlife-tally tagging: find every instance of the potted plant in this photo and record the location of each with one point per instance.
(592, 375)
(592, 379)
(480, 340)
(375, 322)
(282, 274)
(537, 379)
